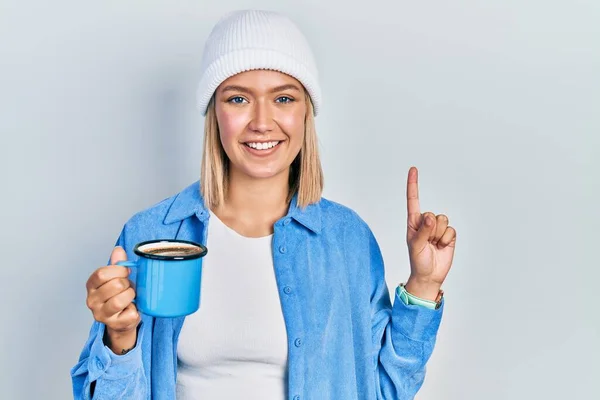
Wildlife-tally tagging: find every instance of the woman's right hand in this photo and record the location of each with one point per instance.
(109, 296)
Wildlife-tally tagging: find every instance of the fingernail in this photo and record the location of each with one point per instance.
(129, 269)
(428, 221)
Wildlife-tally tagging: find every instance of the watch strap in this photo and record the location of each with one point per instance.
(414, 300)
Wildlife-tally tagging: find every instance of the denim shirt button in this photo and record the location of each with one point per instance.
(298, 342)
(287, 221)
(99, 364)
(287, 290)
(282, 249)
(296, 397)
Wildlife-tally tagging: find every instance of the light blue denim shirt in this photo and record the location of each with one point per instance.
(345, 339)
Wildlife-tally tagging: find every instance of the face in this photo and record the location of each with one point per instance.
(261, 122)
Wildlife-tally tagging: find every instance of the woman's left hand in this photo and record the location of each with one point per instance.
(431, 242)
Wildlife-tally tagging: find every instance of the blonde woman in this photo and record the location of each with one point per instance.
(294, 301)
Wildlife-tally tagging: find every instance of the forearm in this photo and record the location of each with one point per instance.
(407, 344)
(105, 375)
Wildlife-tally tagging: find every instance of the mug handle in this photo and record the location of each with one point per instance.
(130, 264)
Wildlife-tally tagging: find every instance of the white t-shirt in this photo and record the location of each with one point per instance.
(235, 345)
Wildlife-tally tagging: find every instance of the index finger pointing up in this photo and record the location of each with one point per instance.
(412, 192)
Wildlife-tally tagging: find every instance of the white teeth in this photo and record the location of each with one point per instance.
(262, 146)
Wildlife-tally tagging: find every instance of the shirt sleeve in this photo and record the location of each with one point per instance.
(101, 374)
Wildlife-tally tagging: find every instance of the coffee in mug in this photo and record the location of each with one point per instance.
(170, 249)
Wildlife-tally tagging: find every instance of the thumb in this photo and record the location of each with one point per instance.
(118, 254)
(424, 233)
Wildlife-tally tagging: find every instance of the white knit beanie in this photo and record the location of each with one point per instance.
(255, 39)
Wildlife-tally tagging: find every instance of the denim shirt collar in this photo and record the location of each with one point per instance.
(189, 202)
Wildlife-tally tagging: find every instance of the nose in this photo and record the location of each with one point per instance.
(262, 118)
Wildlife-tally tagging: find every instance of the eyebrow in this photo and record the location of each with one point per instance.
(242, 89)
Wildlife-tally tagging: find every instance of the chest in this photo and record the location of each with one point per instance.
(240, 315)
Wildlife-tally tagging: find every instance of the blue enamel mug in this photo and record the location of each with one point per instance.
(168, 278)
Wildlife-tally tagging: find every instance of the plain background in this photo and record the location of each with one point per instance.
(496, 104)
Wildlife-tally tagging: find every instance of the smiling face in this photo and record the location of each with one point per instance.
(261, 117)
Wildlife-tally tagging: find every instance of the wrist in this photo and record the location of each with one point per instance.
(119, 335)
(424, 289)
(120, 342)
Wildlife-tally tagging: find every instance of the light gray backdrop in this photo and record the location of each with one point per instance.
(496, 103)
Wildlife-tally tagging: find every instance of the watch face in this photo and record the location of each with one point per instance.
(439, 298)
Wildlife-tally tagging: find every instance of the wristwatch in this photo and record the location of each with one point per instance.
(412, 299)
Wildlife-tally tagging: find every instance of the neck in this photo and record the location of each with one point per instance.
(253, 205)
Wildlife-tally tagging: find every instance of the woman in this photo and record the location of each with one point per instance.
(294, 301)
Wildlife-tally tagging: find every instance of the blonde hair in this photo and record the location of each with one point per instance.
(306, 173)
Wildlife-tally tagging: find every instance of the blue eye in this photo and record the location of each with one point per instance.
(236, 100)
(285, 99)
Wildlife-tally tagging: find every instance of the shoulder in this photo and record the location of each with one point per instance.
(171, 209)
(336, 215)
(152, 214)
